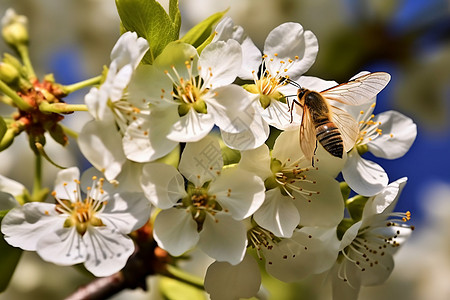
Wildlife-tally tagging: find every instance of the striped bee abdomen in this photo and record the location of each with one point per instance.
(330, 138)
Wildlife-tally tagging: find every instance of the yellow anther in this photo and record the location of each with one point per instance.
(275, 54)
(361, 112)
(296, 57)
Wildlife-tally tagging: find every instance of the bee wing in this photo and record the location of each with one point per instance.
(359, 90)
(347, 125)
(307, 135)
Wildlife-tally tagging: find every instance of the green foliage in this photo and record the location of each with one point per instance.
(150, 21)
(9, 258)
(202, 32)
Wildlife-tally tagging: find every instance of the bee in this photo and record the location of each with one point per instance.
(335, 129)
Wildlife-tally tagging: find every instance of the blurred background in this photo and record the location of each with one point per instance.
(410, 39)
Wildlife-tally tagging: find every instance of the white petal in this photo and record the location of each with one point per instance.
(163, 185)
(126, 211)
(175, 231)
(398, 134)
(24, 226)
(363, 176)
(223, 238)
(315, 83)
(341, 289)
(149, 84)
(385, 201)
(65, 183)
(224, 281)
(11, 186)
(251, 56)
(174, 56)
(287, 148)
(309, 251)
(223, 71)
(107, 251)
(257, 161)
(251, 59)
(239, 192)
(324, 206)
(146, 138)
(129, 49)
(97, 102)
(7, 201)
(228, 107)
(64, 246)
(201, 161)
(350, 235)
(191, 127)
(101, 144)
(254, 136)
(278, 115)
(289, 40)
(278, 214)
(118, 82)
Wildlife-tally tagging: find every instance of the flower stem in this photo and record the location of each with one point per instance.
(37, 184)
(23, 52)
(69, 131)
(181, 276)
(16, 99)
(82, 84)
(61, 108)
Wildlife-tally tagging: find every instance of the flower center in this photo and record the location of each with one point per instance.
(189, 92)
(290, 178)
(82, 213)
(368, 130)
(271, 79)
(200, 202)
(375, 241)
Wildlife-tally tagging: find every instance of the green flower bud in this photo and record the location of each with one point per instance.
(355, 206)
(8, 74)
(14, 31)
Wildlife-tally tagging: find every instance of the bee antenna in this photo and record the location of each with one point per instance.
(288, 80)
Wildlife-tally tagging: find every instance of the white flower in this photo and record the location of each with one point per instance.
(296, 192)
(289, 51)
(99, 140)
(209, 210)
(387, 135)
(188, 94)
(91, 230)
(367, 246)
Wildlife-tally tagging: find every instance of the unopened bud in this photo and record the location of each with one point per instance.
(14, 31)
(8, 73)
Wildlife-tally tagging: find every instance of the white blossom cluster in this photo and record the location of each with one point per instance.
(273, 204)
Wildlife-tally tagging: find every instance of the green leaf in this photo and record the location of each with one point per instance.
(200, 32)
(150, 21)
(174, 14)
(9, 258)
(3, 128)
(205, 43)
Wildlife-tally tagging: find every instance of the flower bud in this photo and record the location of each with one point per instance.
(8, 73)
(14, 31)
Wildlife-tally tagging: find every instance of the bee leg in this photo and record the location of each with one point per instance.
(315, 149)
(292, 106)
